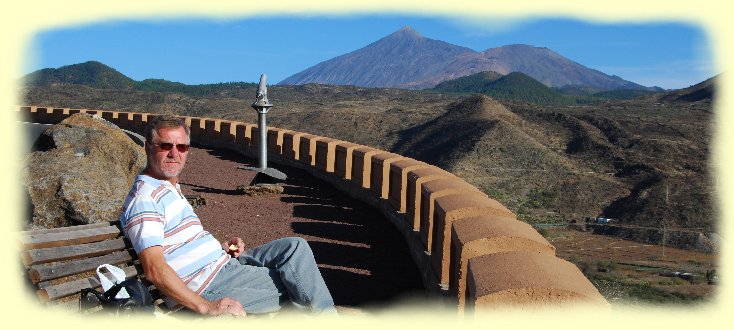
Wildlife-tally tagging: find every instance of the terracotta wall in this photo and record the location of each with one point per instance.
(467, 246)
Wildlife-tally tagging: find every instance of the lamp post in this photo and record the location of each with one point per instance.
(262, 105)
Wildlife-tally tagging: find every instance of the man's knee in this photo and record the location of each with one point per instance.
(295, 246)
(295, 243)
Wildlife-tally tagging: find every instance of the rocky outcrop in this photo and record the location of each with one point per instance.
(79, 172)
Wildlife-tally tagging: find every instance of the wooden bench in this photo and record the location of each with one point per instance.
(60, 262)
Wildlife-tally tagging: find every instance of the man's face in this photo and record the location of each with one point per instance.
(166, 164)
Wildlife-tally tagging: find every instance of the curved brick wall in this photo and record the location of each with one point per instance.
(467, 246)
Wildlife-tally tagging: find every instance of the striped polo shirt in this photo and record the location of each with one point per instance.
(156, 213)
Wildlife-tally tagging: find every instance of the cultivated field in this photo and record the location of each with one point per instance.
(633, 273)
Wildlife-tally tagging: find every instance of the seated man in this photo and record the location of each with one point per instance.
(191, 267)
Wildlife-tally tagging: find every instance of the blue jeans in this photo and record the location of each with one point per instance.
(265, 276)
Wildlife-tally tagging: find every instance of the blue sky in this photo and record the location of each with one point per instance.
(196, 51)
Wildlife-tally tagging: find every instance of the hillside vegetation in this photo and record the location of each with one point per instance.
(100, 76)
(474, 83)
(518, 86)
(93, 74)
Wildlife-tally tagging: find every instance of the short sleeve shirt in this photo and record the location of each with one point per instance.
(155, 213)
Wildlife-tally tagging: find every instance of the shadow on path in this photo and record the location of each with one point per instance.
(361, 256)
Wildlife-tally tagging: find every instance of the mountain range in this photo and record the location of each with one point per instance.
(406, 59)
(513, 86)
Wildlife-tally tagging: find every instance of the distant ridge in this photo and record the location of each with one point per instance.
(406, 59)
(703, 91)
(98, 75)
(93, 74)
(552, 69)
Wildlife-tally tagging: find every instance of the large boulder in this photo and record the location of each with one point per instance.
(80, 171)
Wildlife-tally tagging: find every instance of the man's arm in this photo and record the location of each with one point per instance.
(158, 272)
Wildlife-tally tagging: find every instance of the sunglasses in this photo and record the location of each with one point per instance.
(182, 148)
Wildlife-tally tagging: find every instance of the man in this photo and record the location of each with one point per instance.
(191, 267)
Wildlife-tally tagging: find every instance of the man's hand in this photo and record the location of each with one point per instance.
(234, 246)
(226, 306)
(158, 272)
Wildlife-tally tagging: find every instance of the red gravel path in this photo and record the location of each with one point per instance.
(361, 256)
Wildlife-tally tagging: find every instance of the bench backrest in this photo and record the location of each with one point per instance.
(60, 262)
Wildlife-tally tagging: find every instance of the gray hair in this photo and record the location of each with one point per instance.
(164, 121)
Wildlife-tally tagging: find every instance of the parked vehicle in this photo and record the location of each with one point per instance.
(599, 220)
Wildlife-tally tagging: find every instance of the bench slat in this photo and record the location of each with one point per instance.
(53, 256)
(39, 273)
(55, 239)
(68, 229)
(37, 256)
(54, 292)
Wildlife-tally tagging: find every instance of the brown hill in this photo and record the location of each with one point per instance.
(703, 91)
(512, 159)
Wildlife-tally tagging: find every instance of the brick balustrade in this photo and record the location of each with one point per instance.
(467, 246)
